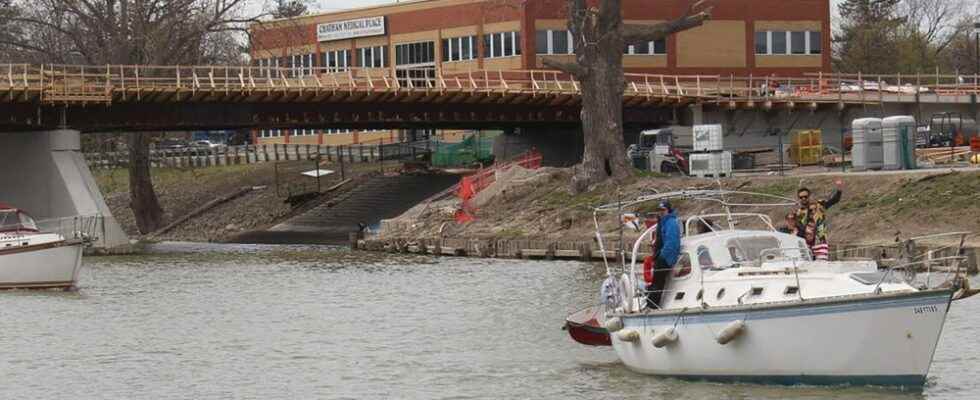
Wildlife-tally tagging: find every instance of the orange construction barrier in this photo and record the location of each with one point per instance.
(470, 185)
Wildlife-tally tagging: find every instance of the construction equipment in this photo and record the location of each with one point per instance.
(655, 151)
(947, 129)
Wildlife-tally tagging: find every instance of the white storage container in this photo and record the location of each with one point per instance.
(897, 135)
(708, 138)
(716, 164)
(866, 152)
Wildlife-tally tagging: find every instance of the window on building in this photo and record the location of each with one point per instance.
(502, 44)
(814, 42)
(554, 42)
(467, 47)
(271, 68)
(797, 42)
(372, 57)
(458, 49)
(778, 45)
(762, 43)
(287, 65)
(415, 53)
(783, 42)
(335, 61)
(541, 42)
(658, 47)
(560, 41)
(263, 66)
(301, 65)
(270, 133)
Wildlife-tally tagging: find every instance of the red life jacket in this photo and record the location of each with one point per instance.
(648, 269)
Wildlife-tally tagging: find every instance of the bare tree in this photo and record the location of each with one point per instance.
(931, 26)
(600, 37)
(100, 32)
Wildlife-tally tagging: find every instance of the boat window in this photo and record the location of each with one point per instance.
(700, 294)
(9, 220)
(683, 266)
(721, 293)
(27, 222)
(757, 291)
(704, 258)
(791, 290)
(750, 248)
(679, 296)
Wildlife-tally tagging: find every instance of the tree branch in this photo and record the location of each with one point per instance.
(636, 34)
(573, 69)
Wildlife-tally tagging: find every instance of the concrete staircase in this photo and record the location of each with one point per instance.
(332, 222)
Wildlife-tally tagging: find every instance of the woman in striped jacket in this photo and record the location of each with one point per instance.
(812, 217)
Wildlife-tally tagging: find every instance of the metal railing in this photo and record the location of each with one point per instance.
(79, 84)
(365, 152)
(85, 228)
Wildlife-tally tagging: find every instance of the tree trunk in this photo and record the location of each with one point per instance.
(142, 198)
(600, 37)
(602, 117)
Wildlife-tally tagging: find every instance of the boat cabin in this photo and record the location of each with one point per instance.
(727, 266)
(13, 221)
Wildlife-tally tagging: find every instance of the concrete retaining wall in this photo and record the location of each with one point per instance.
(45, 174)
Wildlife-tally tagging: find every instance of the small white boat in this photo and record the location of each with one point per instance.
(35, 258)
(751, 305)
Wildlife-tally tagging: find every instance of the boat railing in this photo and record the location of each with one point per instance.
(707, 220)
(85, 228)
(910, 269)
(641, 294)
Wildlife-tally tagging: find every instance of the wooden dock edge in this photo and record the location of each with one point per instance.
(584, 250)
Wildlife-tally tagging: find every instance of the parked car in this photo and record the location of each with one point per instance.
(207, 144)
(171, 144)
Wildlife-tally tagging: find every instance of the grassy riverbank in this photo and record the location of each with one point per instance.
(875, 208)
(182, 190)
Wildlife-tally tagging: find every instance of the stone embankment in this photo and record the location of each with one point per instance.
(532, 213)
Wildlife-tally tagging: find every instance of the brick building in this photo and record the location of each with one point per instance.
(418, 39)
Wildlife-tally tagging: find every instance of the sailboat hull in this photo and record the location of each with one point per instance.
(860, 340)
(46, 266)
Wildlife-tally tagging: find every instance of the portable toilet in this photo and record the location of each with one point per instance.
(898, 142)
(866, 152)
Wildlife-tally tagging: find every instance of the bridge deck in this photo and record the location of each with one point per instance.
(84, 85)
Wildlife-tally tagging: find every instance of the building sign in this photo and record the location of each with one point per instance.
(353, 28)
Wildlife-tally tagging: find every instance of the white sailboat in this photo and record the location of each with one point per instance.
(41, 256)
(751, 305)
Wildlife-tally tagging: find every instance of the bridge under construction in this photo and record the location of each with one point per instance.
(136, 97)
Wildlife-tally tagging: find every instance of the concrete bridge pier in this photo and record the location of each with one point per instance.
(45, 174)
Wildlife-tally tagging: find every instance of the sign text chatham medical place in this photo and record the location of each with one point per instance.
(350, 29)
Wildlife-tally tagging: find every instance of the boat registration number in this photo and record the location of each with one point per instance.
(926, 309)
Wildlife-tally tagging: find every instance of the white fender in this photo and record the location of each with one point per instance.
(731, 331)
(628, 335)
(629, 291)
(664, 338)
(613, 324)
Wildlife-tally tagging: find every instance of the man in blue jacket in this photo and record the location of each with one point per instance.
(668, 248)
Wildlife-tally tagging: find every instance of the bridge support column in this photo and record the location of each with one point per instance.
(697, 114)
(45, 174)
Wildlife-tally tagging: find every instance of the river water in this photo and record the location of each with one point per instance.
(242, 322)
